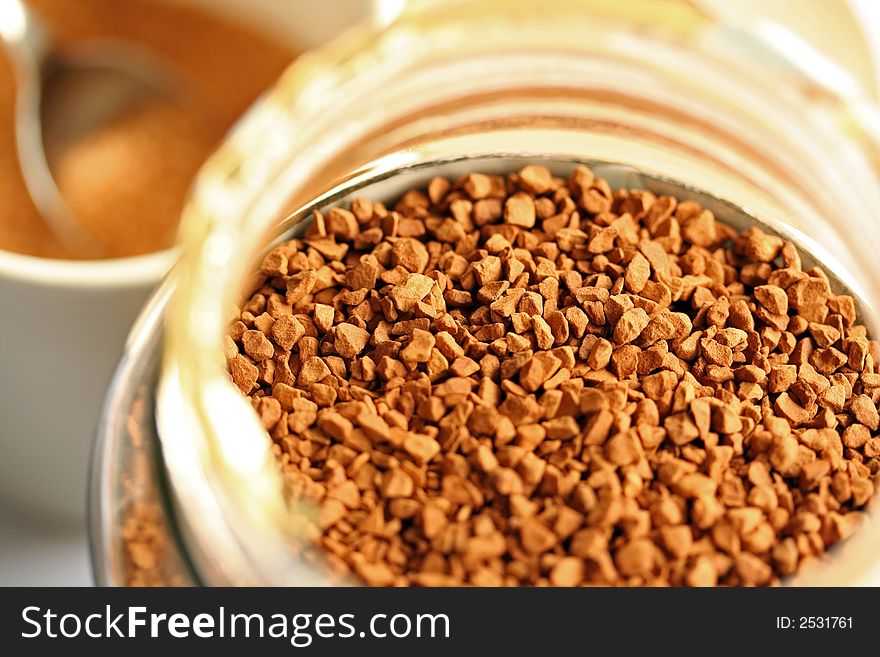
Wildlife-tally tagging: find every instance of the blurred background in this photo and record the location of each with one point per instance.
(124, 174)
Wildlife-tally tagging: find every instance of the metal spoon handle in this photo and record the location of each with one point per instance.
(24, 35)
(29, 44)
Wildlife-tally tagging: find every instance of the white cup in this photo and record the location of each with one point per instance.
(62, 328)
(63, 323)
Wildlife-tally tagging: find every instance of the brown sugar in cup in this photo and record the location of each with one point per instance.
(126, 183)
(529, 380)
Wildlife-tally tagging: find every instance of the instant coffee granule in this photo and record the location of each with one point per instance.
(149, 556)
(527, 380)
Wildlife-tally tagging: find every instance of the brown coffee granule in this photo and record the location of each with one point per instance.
(126, 183)
(528, 380)
(142, 540)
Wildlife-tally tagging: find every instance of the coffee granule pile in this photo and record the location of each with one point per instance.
(528, 380)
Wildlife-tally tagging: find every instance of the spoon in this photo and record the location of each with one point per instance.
(61, 98)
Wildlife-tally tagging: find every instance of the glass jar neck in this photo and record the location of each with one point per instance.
(638, 83)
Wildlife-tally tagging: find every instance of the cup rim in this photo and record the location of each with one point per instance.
(108, 274)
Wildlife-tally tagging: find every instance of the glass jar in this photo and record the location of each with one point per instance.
(654, 93)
